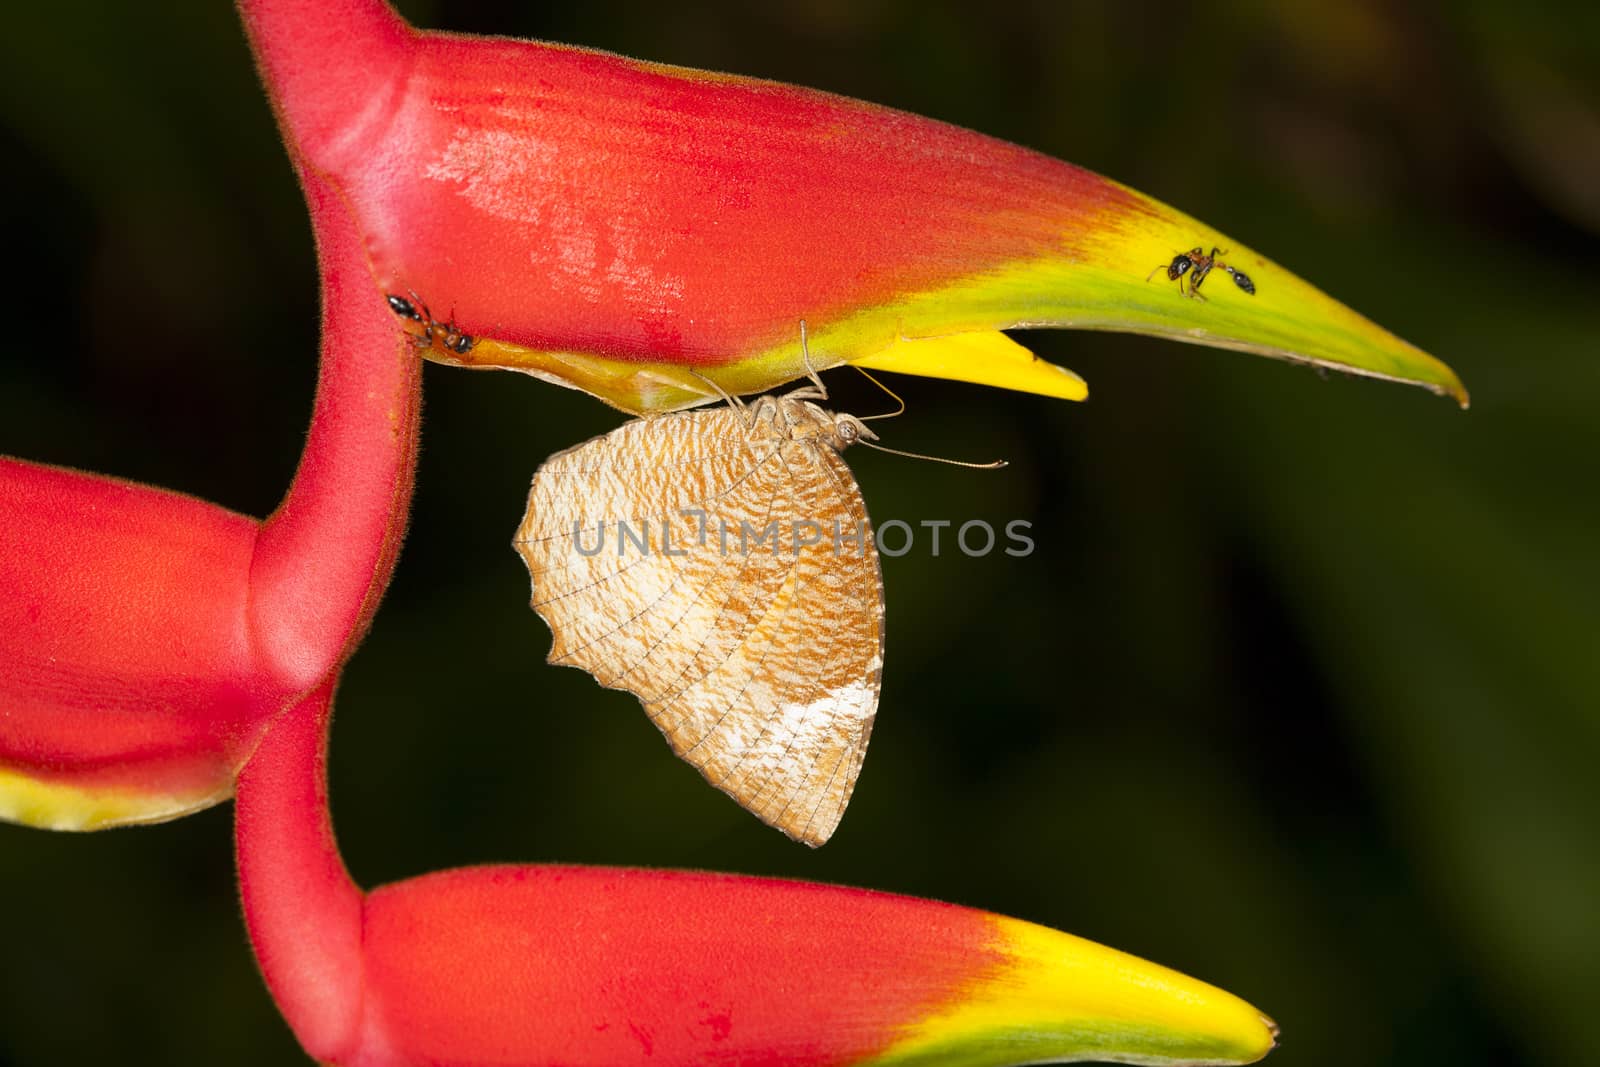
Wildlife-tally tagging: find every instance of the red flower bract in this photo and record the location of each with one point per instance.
(631, 229)
(607, 967)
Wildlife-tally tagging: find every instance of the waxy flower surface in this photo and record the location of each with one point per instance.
(633, 229)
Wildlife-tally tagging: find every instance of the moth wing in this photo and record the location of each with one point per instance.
(670, 558)
(782, 723)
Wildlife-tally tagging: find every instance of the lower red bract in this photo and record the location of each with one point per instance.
(569, 965)
(147, 637)
(124, 656)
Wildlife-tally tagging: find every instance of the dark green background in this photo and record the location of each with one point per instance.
(1299, 694)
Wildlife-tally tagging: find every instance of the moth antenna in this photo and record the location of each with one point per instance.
(901, 410)
(992, 466)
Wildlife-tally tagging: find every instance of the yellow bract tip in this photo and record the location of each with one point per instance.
(57, 806)
(1055, 998)
(988, 358)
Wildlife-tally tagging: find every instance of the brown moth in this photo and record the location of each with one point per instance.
(720, 566)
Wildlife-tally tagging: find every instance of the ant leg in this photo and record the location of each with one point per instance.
(416, 300)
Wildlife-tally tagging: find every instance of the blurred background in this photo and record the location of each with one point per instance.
(1300, 692)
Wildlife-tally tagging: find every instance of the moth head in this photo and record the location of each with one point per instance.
(843, 430)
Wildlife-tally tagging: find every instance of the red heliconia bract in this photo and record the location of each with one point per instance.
(632, 229)
(606, 967)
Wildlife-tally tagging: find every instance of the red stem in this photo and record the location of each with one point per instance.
(301, 907)
(324, 557)
(333, 68)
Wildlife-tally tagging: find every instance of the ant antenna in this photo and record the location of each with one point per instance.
(993, 466)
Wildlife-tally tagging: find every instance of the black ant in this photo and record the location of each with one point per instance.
(1241, 279)
(448, 334)
(404, 308)
(1176, 269)
(1201, 264)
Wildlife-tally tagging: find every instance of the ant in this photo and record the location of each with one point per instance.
(1202, 264)
(450, 336)
(1240, 278)
(1176, 269)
